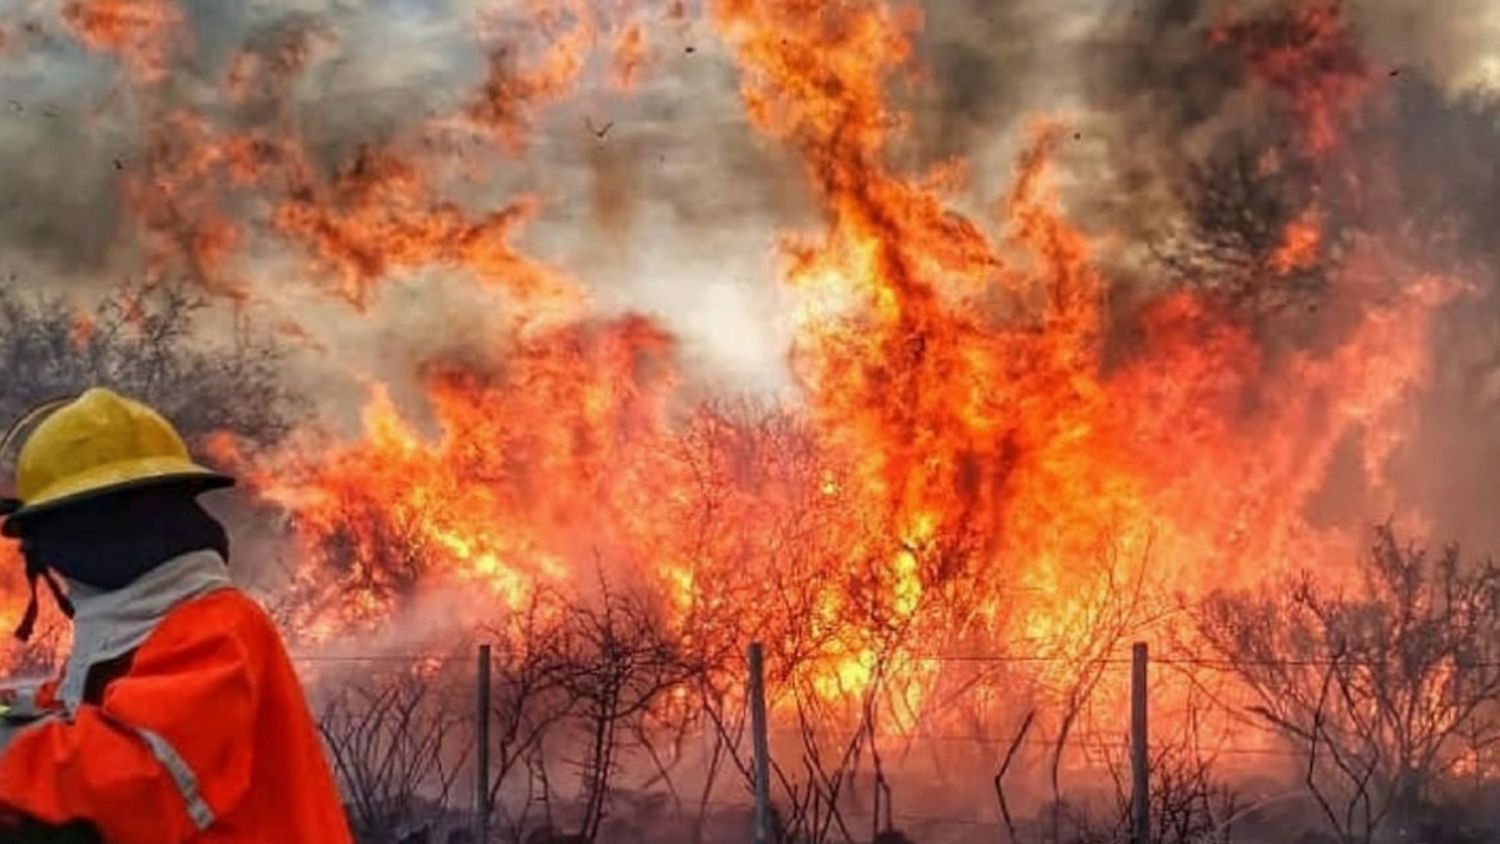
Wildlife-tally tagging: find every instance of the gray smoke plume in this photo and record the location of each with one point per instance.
(659, 199)
(1186, 131)
(662, 198)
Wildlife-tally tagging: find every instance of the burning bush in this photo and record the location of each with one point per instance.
(1388, 685)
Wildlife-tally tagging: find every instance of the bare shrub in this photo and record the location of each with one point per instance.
(1387, 684)
(148, 343)
(621, 661)
(529, 700)
(397, 743)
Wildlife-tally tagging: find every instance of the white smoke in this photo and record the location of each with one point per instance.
(661, 200)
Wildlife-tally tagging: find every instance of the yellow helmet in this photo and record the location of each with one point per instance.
(98, 443)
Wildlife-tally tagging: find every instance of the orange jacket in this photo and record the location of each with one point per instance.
(205, 737)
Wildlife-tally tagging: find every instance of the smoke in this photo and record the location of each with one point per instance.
(1187, 130)
(631, 189)
(57, 160)
(660, 199)
(1455, 49)
(1172, 96)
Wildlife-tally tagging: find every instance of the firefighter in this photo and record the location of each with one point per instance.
(177, 716)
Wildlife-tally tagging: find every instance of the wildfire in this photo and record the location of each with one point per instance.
(377, 217)
(631, 54)
(141, 32)
(1300, 242)
(1308, 55)
(85, 326)
(525, 474)
(513, 87)
(975, 460)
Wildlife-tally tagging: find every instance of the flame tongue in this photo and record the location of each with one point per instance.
(972, 472)
(143, 33)
(1000, 452)
(986, 448)
(976, 441)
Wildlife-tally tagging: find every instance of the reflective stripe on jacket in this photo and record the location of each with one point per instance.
(205, 737)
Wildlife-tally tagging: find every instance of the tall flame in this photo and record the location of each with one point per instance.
(982, 439)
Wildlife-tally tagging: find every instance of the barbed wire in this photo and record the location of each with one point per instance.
(1094, 740)
(1082, 744)
(356, 658)
(1220, 663)
(737, 806)
(1225, 663)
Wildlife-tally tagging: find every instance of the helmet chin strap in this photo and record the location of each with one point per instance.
(28, 618)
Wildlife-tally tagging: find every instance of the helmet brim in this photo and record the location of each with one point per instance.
(195, 483)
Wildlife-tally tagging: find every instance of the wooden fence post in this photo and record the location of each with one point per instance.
(758, 731)
(482, 749)
(1140, 758)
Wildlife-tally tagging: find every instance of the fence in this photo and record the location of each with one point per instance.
(419, 735)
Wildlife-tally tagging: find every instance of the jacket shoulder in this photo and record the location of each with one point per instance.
(224, 614)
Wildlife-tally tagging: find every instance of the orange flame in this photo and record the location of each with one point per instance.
(975, 466)
(143, 33)
(377, 217)
(983, 449)
(495, 499)
(631, 54)
(518, 80)
(1301, 240)
(1309, 56)
(85, 326)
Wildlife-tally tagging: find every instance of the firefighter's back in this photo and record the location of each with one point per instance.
(291, 797)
